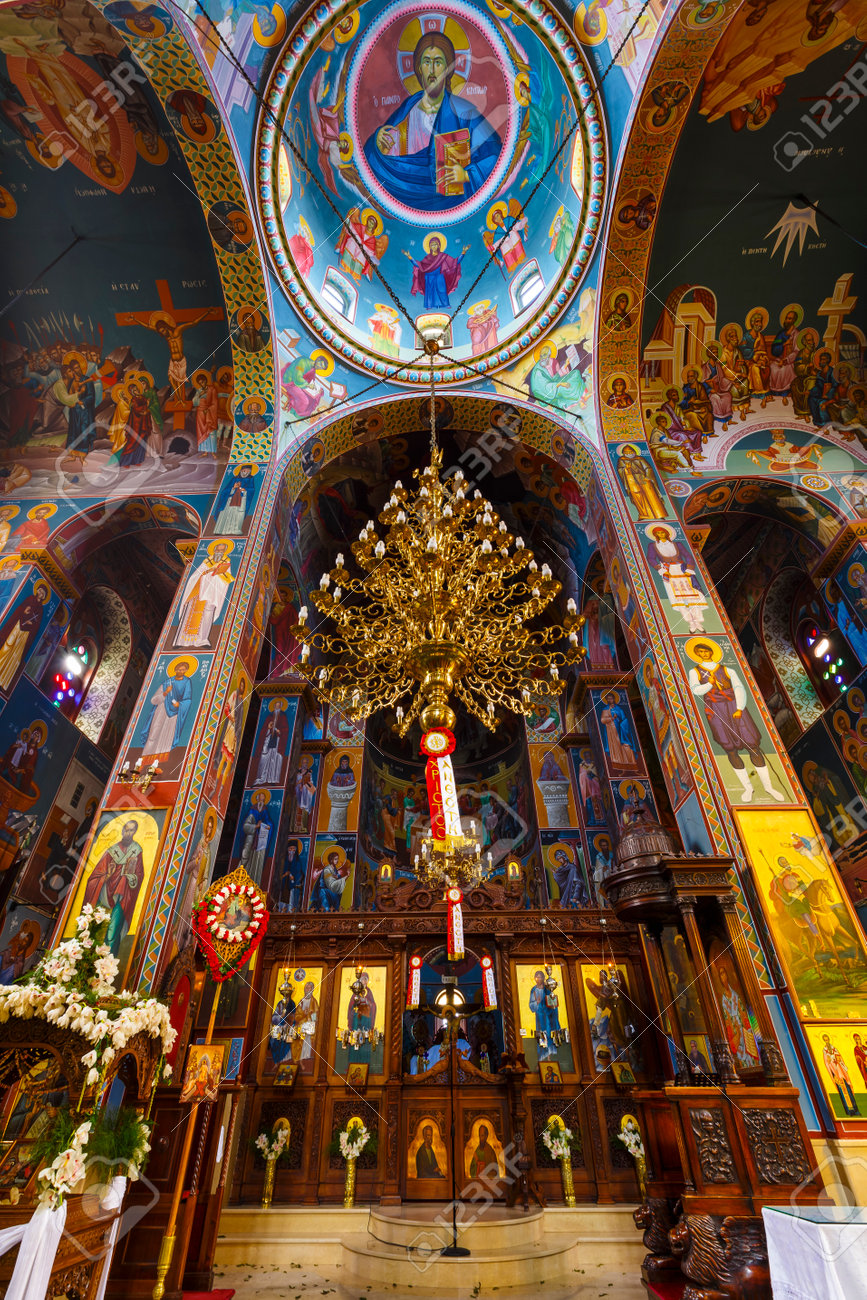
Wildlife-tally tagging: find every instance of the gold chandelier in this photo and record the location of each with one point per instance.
(457, 862)
(446, 607)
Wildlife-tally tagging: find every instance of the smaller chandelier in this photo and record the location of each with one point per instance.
(455, 862)
(446, 607)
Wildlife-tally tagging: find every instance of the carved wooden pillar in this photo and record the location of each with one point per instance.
(660, 987)
(772, 1058)
(391, 1097)
(721, 1051)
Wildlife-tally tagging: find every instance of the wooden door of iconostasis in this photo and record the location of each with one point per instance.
(482, 1143)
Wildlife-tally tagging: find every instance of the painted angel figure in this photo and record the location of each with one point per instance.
(362, 243)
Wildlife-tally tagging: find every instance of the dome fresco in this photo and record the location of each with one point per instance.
(456, 168)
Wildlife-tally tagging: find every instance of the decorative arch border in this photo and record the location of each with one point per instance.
(544, 433)
(681, 55)
(170, 64)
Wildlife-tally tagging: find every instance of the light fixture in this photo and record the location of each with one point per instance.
(821, 647)
(450, 1001)
(448, 605)
(73, 665)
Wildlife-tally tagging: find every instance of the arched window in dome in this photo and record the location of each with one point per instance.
(340, 294)
(527, 286)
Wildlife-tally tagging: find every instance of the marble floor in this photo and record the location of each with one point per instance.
(596, 1282)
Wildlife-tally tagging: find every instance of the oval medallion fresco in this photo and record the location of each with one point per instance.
(460, 153)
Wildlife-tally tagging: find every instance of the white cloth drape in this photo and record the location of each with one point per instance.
(39, 1241)
(817, 1254)
(112, 1201)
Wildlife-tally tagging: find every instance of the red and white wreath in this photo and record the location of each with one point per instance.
(230, 923)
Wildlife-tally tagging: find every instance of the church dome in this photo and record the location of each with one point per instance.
(431, 173)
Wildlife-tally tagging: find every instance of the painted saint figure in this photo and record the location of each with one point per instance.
(204, 597)
(257, 829)
(362, 244)
(170, 705)
(544, 1004)
(437, 274)
(731, 724)
(639, 483)
(436, 149)
(114, 884)
(673, 562)
(236, 500)
(425, 1158)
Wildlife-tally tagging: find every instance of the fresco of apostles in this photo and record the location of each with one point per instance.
(723, 377)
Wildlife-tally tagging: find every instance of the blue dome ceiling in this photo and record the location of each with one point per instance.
(431, 172)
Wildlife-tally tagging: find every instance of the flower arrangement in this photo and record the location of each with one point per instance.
(630, 1136)
(558, 1139)
(215, 908)
(73, 987)
(66, 1170)
(272, 1148)
(352, 1140)
(69, 987)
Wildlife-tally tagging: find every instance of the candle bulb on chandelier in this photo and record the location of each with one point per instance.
(571, 607)
(324, 582)
(305, 653)
(339, 561)
(302, 615)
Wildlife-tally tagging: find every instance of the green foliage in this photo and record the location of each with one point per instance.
(56, 1137)
(117, 1138)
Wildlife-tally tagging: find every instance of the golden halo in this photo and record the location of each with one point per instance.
(808, 333)
(224, 375)
(277, 705)
(855, 573)
(732, 325)
(763, 312)
(150, 30)
(796, 308)
(197, 375)
(320, 352)
(221, 541)
(40, 728)
(10, 563)
(190, 662)
(144, 376)
(158, 157)
(8, 512)
(344, 31)
(8, 206)
(621, 292)
(279, 32)
(46, 505)
(521, 89)
(248, 313)
(408, 41)
(692, 646)
(841, 722)
(668, 529)
(546, 343)
(209, 825)
(560, 844)
(42, 592)
(365, 217)
(328, 849)
(627, 784)
(161, 316)
(478, 307)
(345, 146)
(496, 207)
(557, 214)
(75, 356)
(256, 793)
(254, 469)
(686, 369)
(428, 239)
(254, 397)
(388, 309)
(628, 446)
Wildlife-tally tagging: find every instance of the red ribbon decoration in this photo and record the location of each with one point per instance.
(456, 925)
(413, 988)
(437, 745)
(489, 988)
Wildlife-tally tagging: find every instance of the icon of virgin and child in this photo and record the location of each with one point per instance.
(436, 149)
